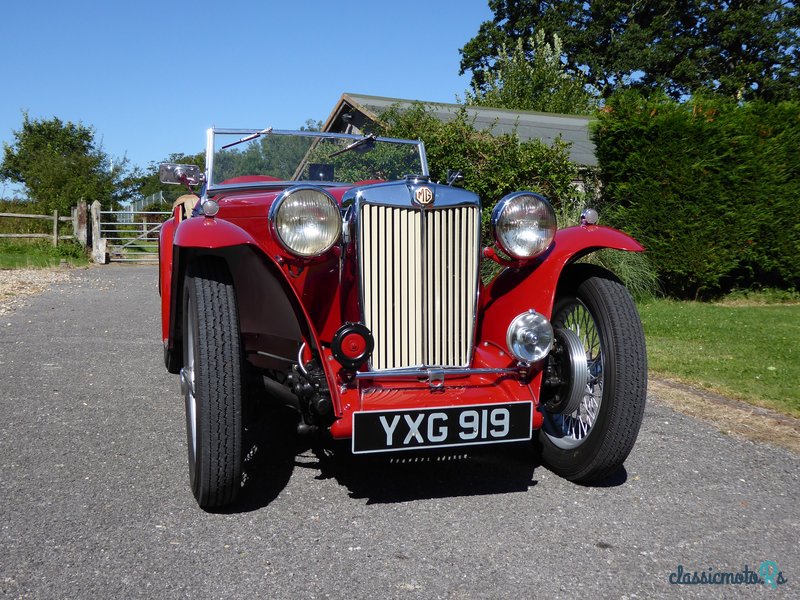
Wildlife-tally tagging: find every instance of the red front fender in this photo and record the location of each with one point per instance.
(205, 233)
(210, 233)
(534, 286)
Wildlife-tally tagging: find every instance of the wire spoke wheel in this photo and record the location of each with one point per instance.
(570, 430)
(593, 441)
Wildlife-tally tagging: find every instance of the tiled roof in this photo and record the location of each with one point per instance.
(528, 125)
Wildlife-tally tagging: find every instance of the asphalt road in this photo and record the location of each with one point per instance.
(96, 504)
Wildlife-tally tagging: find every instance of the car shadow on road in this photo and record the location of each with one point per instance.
(271, 445)
(274, 451)
(406, 477)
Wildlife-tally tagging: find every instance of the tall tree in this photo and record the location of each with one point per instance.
(538, 83)
(740, 48)
(59, 163)
(744, 49)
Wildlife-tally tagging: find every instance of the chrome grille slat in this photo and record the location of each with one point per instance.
(418, 278)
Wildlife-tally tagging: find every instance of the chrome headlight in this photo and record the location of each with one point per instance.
(529, 337)
(306, 220)
(524, 225)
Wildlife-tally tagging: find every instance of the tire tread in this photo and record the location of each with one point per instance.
(625, 374)
(220, 383)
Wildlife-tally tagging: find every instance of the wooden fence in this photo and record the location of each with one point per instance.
(118, 240)
(55, 219)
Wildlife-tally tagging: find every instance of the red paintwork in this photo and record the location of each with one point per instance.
(210, 233)
(353, 345)
(250, 179)
(165, 272)
(517, 290)
(243, 221)
(474, 389)
(325, 297)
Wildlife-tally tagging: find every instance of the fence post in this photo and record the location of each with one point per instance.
(98, 243)
(79, 223)
(55, 228)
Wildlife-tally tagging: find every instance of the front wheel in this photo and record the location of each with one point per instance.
(593, 440)
(211, 380)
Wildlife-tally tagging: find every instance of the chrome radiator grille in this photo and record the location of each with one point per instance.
(419, 273)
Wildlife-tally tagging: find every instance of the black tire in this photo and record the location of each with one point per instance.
(592, 443)
(212, 381)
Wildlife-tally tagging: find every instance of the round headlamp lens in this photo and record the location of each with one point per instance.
(529, 337)
(307, 221)
(524, 225)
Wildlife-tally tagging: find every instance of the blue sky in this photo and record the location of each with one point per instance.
(150, 77)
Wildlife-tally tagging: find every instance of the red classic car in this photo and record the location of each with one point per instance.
(331, 269)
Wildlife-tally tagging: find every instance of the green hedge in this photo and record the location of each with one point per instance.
(711, 187)
(494, 166)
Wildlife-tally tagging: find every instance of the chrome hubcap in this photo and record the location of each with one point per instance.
(570, 430)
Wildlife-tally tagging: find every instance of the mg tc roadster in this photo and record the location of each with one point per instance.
(333, 271)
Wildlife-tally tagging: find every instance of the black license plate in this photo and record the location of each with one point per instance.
(444, 427)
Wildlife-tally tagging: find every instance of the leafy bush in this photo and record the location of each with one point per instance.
(709, 187)
(22, 225)
(34, 252)
(635, 269)
(494, 166)
(39, 253)
(762, 296)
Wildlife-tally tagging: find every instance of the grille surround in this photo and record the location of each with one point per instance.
(418, 276)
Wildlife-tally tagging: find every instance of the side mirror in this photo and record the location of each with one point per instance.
(180, 174)
(454, 177)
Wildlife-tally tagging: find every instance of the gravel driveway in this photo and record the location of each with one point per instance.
(95, 498)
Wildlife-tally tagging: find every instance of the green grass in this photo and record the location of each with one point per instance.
(743, 348)
(37, 254)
